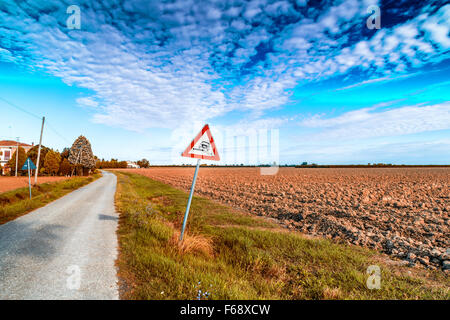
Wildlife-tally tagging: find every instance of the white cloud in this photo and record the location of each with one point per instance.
(376, 80)
(402, 151)
(184, 61)
(87, 102)
(367, 123)
(403, 43)
(6, 55)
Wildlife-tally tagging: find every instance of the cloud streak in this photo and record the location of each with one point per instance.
(368, 123)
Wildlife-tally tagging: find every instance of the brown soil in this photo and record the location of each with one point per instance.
(401, 211)
(11, 183)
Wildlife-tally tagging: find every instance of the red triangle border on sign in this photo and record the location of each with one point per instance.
(211, 141)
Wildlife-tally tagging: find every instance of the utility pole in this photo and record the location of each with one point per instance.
(39, 152)
(17, 154)
(78, 157)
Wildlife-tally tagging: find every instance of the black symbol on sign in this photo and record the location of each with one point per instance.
(202, 147)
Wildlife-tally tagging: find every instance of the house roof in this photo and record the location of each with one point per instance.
(12, 143)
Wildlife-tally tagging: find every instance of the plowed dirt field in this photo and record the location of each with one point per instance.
(401, 211)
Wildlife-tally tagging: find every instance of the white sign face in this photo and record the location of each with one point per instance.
(203, 147)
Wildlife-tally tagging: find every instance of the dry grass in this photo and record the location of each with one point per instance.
(332, 293)
(193, 244)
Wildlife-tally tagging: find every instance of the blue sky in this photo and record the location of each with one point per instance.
(141, 77)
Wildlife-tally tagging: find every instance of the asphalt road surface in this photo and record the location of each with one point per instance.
(65, 250)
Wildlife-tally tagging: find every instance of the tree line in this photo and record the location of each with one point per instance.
(51, 163)
(76, 160)
(113, 163)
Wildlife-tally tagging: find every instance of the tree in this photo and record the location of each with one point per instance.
(33, 153)
(81, 155)
(65, 153)
(51, 162)
(144, 163)
(22, 159)
(65, 168)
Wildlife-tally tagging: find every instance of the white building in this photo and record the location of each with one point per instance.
(131, 164)
(7, 149)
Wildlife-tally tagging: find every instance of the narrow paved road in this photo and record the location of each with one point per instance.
(65, 250)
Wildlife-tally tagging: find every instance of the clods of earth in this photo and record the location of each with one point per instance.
(403, 212)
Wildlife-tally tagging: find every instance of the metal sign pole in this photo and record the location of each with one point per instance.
(29, 178)
(189, 201)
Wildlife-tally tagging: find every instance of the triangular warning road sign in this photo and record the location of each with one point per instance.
(203, 146)
(25, 165)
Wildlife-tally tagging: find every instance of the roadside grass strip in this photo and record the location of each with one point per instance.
(15, 203)
(227, 254)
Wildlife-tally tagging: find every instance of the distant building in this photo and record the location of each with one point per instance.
(132, 164)
(7, 149)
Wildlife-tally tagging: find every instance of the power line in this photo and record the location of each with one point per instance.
(20, 108)
(35, 116)
(57, 133)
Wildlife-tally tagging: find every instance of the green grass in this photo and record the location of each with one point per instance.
(16, 203)
(236, 256)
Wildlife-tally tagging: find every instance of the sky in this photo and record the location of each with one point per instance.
(276, 80)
